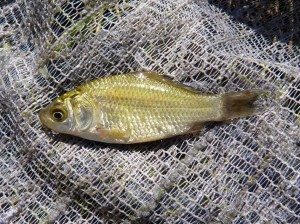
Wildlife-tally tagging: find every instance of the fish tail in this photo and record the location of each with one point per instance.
(241, 104)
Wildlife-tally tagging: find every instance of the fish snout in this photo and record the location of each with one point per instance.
(43, 117)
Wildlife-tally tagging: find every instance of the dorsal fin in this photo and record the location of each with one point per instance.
(163, 79)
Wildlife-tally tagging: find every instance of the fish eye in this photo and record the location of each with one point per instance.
(59, 114)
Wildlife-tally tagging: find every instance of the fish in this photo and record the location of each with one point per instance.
(142, 107)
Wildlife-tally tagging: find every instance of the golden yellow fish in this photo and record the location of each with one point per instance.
(141, 107)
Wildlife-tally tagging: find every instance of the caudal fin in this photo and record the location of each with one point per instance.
(241, 104)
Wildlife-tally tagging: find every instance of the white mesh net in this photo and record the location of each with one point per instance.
(244, 171)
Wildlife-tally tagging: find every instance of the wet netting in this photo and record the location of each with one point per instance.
(242, 171)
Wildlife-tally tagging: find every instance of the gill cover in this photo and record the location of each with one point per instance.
(82, 112)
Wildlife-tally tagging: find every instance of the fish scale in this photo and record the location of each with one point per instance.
(172, 110)
(140, 107)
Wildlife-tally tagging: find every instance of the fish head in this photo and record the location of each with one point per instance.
(71, 113)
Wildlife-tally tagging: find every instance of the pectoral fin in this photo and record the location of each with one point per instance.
(113, 135)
